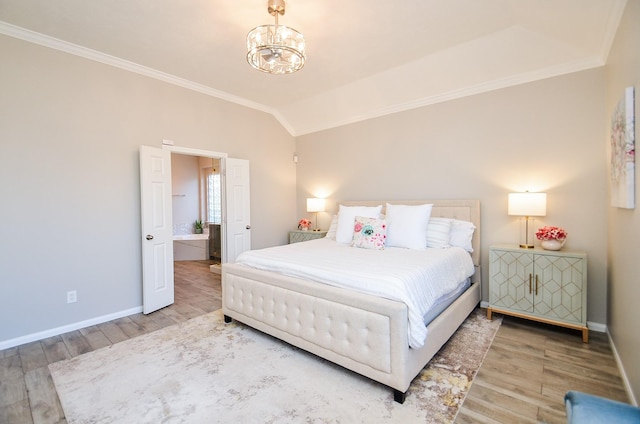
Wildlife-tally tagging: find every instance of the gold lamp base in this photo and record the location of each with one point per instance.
(526, 238)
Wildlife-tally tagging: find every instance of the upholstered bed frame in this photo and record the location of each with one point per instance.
(361, 332)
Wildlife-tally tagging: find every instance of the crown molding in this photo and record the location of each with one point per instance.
(612, 28)
(485, 87)
(576, 66)
(94, 55)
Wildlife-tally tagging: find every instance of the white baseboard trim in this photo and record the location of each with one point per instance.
(597, 327)
(6, 344)
(623, 374)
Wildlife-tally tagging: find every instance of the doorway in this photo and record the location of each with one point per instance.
(196, 208)
(157, 221)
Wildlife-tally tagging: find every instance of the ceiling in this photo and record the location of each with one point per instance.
(365, 58)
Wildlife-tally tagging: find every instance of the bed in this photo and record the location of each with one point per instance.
(330, 321)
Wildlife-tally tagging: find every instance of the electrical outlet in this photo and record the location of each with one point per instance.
(72, 296)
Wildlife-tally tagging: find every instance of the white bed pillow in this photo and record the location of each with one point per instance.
(333, 228)
(461, 234)
(347, 217)
(439, 233)
(407, 225)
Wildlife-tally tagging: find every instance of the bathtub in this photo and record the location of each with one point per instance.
(190, 247)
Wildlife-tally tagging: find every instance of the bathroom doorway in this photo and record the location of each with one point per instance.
(157, 221)
(197, 208)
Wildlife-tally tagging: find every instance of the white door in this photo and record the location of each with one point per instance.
(237, 208)
(157, 228)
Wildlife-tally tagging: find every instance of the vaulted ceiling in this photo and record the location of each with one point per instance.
(365, 58)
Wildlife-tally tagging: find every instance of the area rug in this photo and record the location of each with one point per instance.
(205, 371)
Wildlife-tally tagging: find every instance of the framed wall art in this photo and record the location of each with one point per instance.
(623, 152)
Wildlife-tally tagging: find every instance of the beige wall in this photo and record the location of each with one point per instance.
(546, 136)
(185, 190)
(623, 70)
(70, 131)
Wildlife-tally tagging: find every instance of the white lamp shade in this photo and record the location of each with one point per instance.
(315, 205)
(528, 204)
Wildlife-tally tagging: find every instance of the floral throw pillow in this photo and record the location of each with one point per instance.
(369, 233)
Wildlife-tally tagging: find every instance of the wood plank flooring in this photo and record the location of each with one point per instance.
(27, 393)
(523, 379)
(531, 366)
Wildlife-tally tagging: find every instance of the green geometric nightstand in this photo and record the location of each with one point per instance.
(297, 236)
(541, 285)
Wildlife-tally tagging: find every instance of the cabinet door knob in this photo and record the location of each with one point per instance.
(530, 283)
(149, 237)
(536, 284)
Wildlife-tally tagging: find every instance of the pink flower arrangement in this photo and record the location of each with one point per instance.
(551, 233)
(304, 223)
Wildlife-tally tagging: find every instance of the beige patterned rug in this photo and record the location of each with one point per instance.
(203, 371)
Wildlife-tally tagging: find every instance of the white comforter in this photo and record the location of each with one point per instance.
(419, 278)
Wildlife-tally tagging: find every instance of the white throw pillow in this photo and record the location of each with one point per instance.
(461, 234)
(438, 233)
(333, 228)
(347, 218)
(407, 225)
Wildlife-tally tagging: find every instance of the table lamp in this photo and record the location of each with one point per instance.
(527, 205)
(316, 205)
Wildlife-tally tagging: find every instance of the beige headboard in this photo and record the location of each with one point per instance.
(465, 210)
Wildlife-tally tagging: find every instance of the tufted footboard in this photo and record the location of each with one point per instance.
(360, 332)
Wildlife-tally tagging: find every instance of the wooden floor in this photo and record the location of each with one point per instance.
(27, 394)
(523, 379)
(531, 366)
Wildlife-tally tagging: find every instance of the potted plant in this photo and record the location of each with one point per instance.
(197, 226)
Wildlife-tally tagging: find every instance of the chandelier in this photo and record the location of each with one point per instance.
(275, 49)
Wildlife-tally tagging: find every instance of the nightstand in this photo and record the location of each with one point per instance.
(542, 285)
(297, 236)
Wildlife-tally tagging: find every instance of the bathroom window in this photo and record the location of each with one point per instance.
(214, 201)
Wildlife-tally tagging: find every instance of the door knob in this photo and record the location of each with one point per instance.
(248, 227)
(149, 237)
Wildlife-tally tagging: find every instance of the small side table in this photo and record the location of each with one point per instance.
(297, 236)
(548, 286)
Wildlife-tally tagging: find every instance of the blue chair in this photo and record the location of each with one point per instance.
(587, 409)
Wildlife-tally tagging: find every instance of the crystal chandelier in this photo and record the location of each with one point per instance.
(275, 49)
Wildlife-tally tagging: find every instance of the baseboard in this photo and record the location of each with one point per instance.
(623, 374)
(6, 344)
(597, 327)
